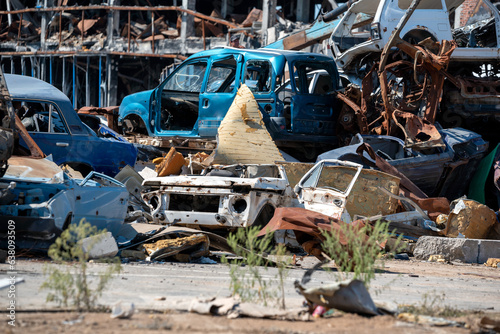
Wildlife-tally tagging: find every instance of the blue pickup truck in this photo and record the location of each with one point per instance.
(192, 101)
(55, 126)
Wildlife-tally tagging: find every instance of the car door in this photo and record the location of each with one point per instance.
(326, 186)
(313, 106)
(176, 101)
(218, 93)
(47, 127)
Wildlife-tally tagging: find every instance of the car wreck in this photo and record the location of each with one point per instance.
(342, 189)
(192, 101)
(43, 201)
(227, 196)
(439, 171)
(54, 125)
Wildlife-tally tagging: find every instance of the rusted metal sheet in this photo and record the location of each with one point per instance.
(434, 206)
(471, 219)
(307, 226)
(296, 41)
(111, 114)
(242, 133)
(295, 171)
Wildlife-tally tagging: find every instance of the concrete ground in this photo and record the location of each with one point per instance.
(461, 286)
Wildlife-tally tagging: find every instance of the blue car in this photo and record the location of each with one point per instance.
(55, 126)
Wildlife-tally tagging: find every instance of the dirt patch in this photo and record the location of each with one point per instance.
(143, 322)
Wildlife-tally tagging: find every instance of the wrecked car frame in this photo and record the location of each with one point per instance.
(230, 196)
(43, 201)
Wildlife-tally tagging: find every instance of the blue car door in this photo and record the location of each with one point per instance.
(47, 127)
(218, 93)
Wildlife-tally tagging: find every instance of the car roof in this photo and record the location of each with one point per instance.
(289, 55)
(24, 87)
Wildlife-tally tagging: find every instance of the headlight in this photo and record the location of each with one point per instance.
(238, 205)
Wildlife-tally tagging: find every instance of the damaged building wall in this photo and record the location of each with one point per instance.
(122, 46)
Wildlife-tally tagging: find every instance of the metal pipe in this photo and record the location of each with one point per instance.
(50, 70)
(19, 30)
(128, 33)
(332, 15)
(64, 75)
(60, 28)
(83, 25)
(100, 80)
(265, 21)
(153, 31)
(43, 31)
(74, 83)
(203, 32)
(9, 16)
(87, 83)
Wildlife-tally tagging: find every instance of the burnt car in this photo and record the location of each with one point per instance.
(55, 126)
(223, 197)
(437, 171)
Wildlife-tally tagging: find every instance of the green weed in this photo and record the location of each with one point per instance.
(361, 255)
(72, 285)
(247, 280)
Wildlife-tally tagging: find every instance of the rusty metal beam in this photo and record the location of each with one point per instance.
(134, 8)
(86, 53)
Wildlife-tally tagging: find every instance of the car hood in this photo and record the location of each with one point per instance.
(266, 183)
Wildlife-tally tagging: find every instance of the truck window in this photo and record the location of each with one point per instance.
(221, 77)
(424, 4)
(189, 78)
(258, 76)
(40, 117)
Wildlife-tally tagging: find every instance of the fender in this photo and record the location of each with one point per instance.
(137, 104)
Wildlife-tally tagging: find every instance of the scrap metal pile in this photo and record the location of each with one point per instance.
(395, 163)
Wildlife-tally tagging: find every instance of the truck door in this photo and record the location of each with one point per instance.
(217, 93)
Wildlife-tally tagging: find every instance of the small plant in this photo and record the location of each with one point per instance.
(73, 287)
(432, 304)
(247, 280)
(357, 249)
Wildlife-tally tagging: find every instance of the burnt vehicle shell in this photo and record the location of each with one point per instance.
(55, 126)
(229, 196)
(438, 172)
(40, 200)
